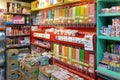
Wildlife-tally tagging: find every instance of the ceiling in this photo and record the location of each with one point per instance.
(26, 0)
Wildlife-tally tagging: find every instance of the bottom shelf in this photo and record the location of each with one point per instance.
(19, 46)
(72, 69)
(108, 73)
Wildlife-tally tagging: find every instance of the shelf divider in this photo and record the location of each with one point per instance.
(109, 38)
(109, 14)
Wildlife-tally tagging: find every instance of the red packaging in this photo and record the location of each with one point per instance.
(86, 59)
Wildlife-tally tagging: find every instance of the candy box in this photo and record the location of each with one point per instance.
(12, 65)
(12, 75)
(47, 70)
(18, 19)
(30, 71)
(42, 77)
(21, 75)
(44, 60)
(27, 78)
(12, 54)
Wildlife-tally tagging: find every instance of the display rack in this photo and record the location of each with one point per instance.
(15, 30)
(17, 37)
(39, 33)
(105, 20)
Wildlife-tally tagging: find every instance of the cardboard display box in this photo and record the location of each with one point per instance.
(12, 54)
(22, 75)
(30, 72)
(43, 77)
(12, 75)
(47, 70)
(12, 65)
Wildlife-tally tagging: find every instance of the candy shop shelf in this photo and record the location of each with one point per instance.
(13, 36)
(63, 4)
(109, 38)
(68, 43)
(109, 0)
(62, 57)
(77, 61)
(109, 73)
(109, 14)
(77, 25)
(17, 14)
(67, 66)
(16, 25)
(40, 46)
(21, 46)
(41, 38)
(105, 19)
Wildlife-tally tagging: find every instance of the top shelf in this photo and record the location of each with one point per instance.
(109, 0)
(17, 14)
(62, 4)
(109, 14)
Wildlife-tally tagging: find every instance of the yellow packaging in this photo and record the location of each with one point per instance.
(73, 55)
(57, 1)
(66, 54)
(34, 5)
(54, 50)
(86, 13)
(63, 50)
(82, 12)
(65, 1)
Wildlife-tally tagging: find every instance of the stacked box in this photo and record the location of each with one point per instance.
(21, 75)
(30, 72)
(12, 64)
(12, 54)
(12, 75)
(43, 77)
(24, 50)
(27, 78)
(46, 71)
